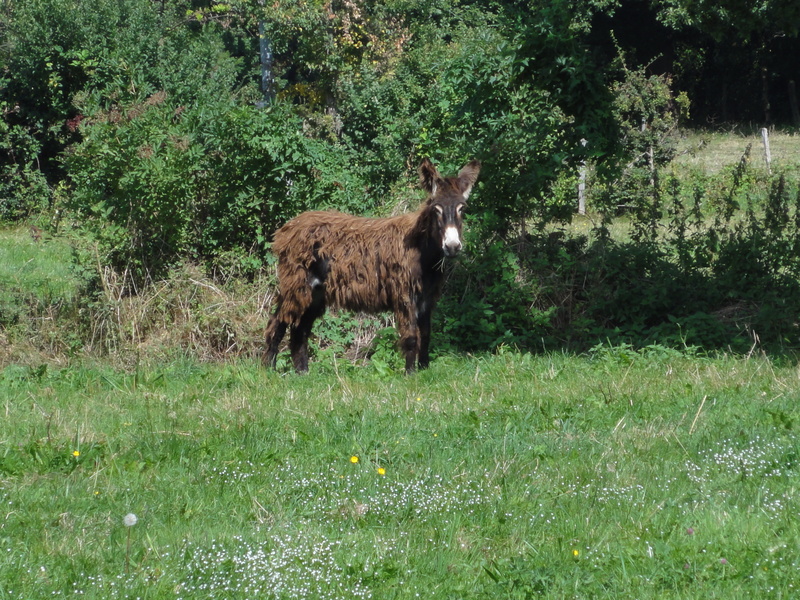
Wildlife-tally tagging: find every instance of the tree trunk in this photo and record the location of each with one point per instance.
(793, 104)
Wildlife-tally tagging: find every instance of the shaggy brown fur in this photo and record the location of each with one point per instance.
(369, 265)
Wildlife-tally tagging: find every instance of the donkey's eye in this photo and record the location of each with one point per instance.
(439, 210)
(460, 209)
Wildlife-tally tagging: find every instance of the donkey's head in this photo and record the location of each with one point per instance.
(447, 199)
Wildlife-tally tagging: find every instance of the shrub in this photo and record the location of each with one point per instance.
(647, 116)
(491, 299)
(58, 57)
(156, 183)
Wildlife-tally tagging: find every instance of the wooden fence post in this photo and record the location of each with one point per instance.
(767, 155)
(582, 183)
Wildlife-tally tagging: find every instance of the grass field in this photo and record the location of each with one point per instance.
(619, 474)
(33, 273)
(712, 152)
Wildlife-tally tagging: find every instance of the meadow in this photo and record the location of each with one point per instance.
(145, 453)
(616, 474)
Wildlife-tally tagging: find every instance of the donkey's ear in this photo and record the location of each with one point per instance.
(467, 177)
(429, 178)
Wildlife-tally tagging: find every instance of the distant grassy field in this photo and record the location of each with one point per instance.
(711, 152)
(619, 474)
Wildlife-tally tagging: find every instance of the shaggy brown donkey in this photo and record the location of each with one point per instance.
(369, 265)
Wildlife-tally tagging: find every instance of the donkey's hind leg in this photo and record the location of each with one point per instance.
(409, 338)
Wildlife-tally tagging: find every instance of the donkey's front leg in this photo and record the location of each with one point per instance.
(409, 339)
(424, 325)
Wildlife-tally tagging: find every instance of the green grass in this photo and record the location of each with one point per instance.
(710, 152)
(39, 269)
(37, 279)
(40, 295)
(616, 475)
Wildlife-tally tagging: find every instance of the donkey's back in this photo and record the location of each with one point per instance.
(362, 263)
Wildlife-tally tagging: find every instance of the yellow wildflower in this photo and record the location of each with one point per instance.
(381, 471)
(354, 459)
(76, 453)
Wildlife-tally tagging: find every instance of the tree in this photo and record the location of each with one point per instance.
(736, 57)
(725, 20)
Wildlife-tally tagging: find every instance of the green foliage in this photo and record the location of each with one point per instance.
(23, 188)
(494, 299)
(722, 280)
(647, 116)
(520, 94)
(450, 82)
(61, 64)
(157, 183)
(722, 18)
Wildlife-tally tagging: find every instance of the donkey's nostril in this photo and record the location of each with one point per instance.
(451, 248)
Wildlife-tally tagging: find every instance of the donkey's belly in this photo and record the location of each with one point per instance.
(362, 291)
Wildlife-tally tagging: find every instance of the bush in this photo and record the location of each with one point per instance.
(714, 275)
(647, 116)
(493, 300)
(156, 182)
(56, 55)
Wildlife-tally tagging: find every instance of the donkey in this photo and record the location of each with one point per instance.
(369, 265)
